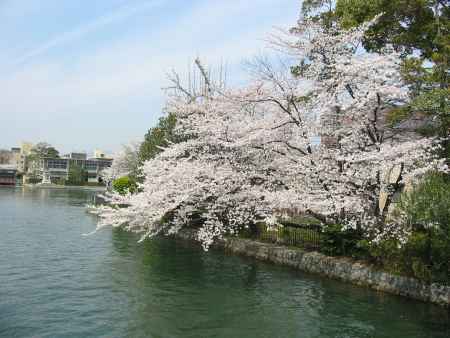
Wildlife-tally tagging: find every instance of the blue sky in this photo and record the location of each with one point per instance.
(88, 74)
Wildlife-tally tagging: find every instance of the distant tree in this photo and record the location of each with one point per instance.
(43, 149)
(77, 175)
(125, 163)
(37, 153)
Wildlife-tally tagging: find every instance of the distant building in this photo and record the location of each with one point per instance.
(15, 156)
(21, 155)
(57, 169)
(8, 174)
(76, 156)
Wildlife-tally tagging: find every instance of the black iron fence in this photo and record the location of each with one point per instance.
(306, 236)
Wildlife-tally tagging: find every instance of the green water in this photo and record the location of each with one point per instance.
(56, 283)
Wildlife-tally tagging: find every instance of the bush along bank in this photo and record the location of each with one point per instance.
(425, 256)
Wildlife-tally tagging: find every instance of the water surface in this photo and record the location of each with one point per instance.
(56, 283)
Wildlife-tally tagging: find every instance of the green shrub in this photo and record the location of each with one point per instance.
(428, 204)
(34, 180)
(60, 181)
(426, 254)
(124, 184)
(338, 242)
(384, 253)
(427, 211)
(440, 256)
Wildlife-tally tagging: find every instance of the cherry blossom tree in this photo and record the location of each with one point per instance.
(310, 137)
(125, 162)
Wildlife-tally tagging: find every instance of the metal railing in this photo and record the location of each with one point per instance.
(305, 236)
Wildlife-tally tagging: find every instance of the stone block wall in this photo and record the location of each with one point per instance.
(344, 269)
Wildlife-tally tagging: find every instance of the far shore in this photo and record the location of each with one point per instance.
(71, 187)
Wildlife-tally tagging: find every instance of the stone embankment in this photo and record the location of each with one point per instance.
(345, 269)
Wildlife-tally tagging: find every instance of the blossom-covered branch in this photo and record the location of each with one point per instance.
(312, 138)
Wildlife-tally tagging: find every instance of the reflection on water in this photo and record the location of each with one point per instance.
(57, 283)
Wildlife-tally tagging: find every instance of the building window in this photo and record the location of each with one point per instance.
(57, 164)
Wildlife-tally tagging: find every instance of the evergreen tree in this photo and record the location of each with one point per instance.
(159, 137)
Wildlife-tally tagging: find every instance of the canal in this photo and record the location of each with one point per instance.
(54, 282)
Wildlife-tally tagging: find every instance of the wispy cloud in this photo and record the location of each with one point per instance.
(114, 16)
